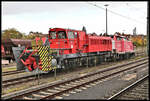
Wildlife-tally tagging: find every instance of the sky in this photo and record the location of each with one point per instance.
(40, 16)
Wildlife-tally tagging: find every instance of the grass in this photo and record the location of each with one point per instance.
(5, 69)
(12, 90)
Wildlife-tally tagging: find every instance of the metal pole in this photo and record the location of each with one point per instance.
(55, 73)
(58, 56)
(87, 62)
(142, 43)
(147, 29)
(95, 61)
(106, 20)
(38, 72)
(38, 76)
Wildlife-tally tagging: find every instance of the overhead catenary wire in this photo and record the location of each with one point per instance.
(117, 13)
(136, 9)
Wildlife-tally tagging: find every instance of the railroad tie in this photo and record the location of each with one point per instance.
(66, 94)
(77, 81)
(87, 86)
(53, 91)
(38, 95)
(27, 98)
(95, 83)
(69, 85)
(72, 92)
(58, 97)
(74, 84)
(46, 93)
(83, 87)
(63, 86)
(78, 90)
(92, 84)
(82, 80)
(59, 88)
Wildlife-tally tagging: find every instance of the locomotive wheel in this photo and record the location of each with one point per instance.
(92, 63)
(79, 63)
(127, 56)
(120, 57)
(97, 60)
(65, 64)
(84, 61)
(114, 57)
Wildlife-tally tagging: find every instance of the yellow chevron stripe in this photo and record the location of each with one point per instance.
(43, 55)
(44, 52)
(43, 69)
(45, 64)
(46, 69)
(40, 48)
(44, 58)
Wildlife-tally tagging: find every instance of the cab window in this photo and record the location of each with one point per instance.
(75, 33)
(52, 35)
(61, 35)
(118, 38)
(70, 35)
(125, 39)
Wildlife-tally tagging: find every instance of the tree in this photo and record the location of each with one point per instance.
(137, 40)
(11, 33)
(30, 36)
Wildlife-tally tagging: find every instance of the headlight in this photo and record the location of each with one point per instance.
(54, 62)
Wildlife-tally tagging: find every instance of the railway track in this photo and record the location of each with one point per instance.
(19, 80)
(140, 53)
(8, 65)
(27, 78)
(136, 91)
(12, 72)
(51, 91)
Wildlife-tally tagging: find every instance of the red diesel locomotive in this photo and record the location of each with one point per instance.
(72, 48)
(75, 41)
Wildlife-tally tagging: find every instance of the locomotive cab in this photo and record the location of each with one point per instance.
(65, 40)
(57, 38)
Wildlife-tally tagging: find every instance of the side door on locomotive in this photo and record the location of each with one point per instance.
(72, 40)
(77, 41)
(118, 43)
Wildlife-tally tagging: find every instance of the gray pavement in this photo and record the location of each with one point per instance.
(108, 87)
